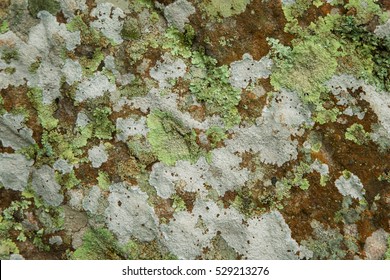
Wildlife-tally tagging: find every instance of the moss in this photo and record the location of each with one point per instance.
(215, 134)
(69, 180)
(10, 70)
(309, 66)
(34, 66)
(225, 8)
(131, 29)
(178, 203)
(366, 10)
(147, 251)
(103, 126)
(104, 181)
(4, 27)
(10, 54)
(170, 140)
(91, 62)
(357, 134)
(244, 202)
(35, 6)
(45, 112)
(98, 244)
(387, 254)
(215, 90)
(7, 247)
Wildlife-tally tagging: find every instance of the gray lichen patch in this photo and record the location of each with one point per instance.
(376, 245)
(350, 184)
(13, 133)
(177, 13)
(45, 186)
(72, 71)
(93, 87)
(248, 70)
(63, 166)
(109, 20)
(129, 214)
(190, 177)
(14, 171)
(224, 173)
(271, 135)
(130, 127)
(91, 201)
(167, 70)
(182, 236)
(97, 155)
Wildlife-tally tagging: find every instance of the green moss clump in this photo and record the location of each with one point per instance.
(103, 126)
(4, 26)
(104, 181)
(216, 91)
(225, 8)
(310, 64)
(357, 134)
(99, 244)
(170, 140)
(35, 6)
(131, 29)
(45, 112)
(387, 254)
(178, 203)
(10, 54)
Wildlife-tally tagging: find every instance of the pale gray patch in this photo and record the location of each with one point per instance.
(350, 186)
(109, 21)
(27, 55)
(44, 185)
(76, 199)
(177, 13)
(271, 135)
(72, 71)
(63, 166)
(91, 201)
(49, 33)
(13, 133)
(383, 31)
(321, 168)
(16, 257)
(247, 70)
(169, 69)
(129, 214)
(55, 240)
(130, 127)
(14, 171)
(183, 237)
(376, 245)
(264, 237)
(190, 177)
(224, 173)
(93, 87)
(97, 155)
(69, 7)
(82, 120)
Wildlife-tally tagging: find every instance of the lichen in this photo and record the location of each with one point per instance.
(169, 139)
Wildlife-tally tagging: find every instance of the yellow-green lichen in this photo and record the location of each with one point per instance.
(169, 139)
(357, 134)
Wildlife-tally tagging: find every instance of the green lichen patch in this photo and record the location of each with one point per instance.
(103, 126)
(99, 244)
(45, 112)
(170, 140)
(215, 90)
(35, 6)
(225, 8)
(357, 134)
